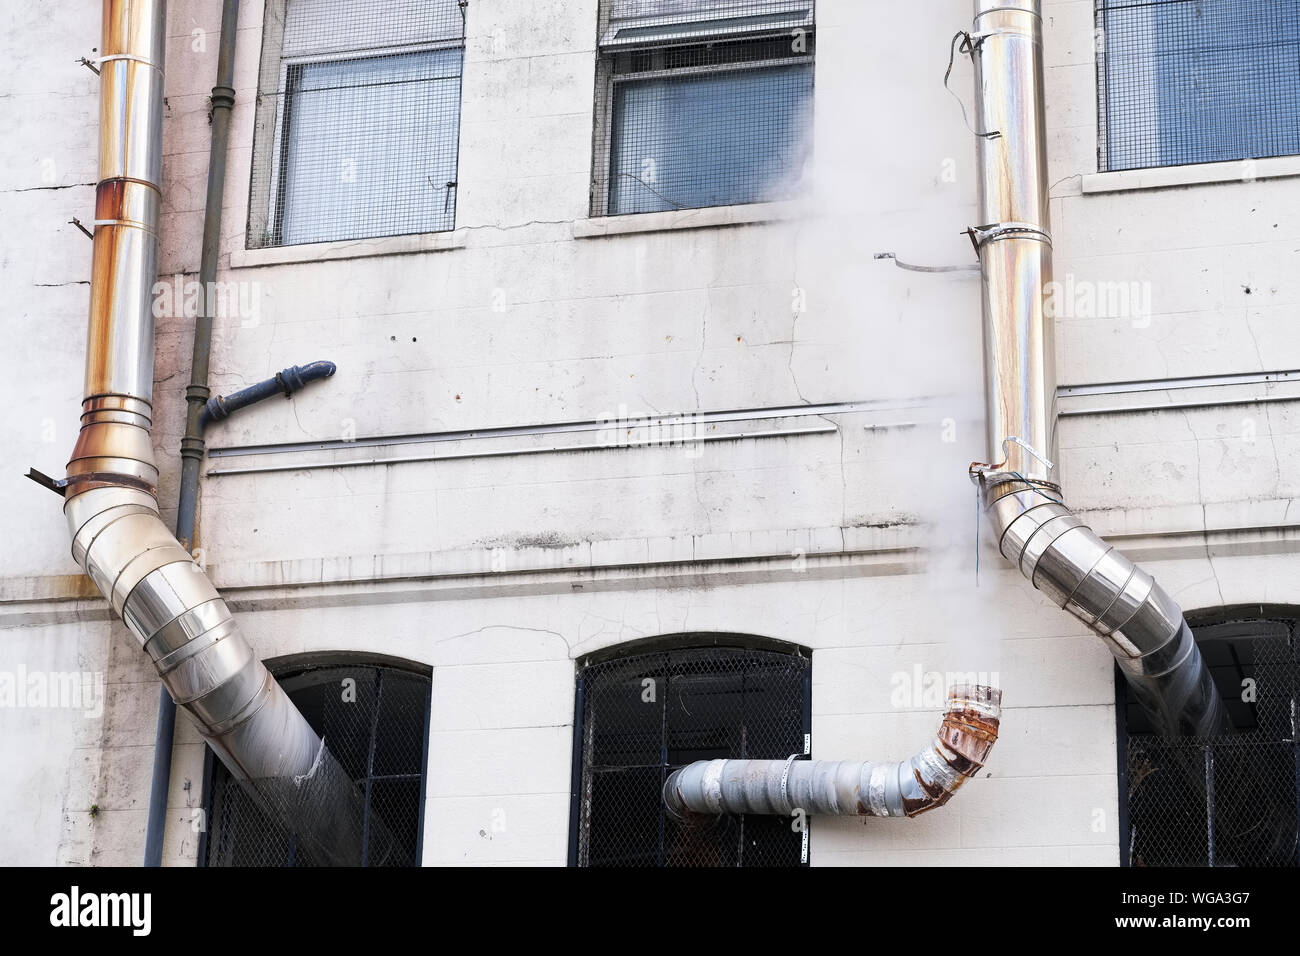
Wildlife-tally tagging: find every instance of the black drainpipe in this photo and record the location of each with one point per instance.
(223, 99)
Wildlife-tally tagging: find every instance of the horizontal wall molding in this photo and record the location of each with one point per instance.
(669, 562)
(1191, 381)
(512, 452)
(559, 428)
(739, 415)
(732, 425)
(1165, 177)
(615, 434)
(1179, 394)
(1176, 406)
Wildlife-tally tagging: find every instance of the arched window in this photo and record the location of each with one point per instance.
(1230, 800)
(374, 718)
(642, 715)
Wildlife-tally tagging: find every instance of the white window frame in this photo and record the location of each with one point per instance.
(278, 154)
(263, 231)
(800, 15)
(699, 25)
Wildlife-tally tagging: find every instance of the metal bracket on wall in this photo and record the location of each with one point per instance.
(56, 485)
(98, 479)
(915, 268)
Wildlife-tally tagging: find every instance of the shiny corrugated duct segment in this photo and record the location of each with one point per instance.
(110, 491)
(1141, 624)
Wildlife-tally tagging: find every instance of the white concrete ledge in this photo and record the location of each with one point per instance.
(1164, 177)
(348, 249)
(699, 560)
(687, 219)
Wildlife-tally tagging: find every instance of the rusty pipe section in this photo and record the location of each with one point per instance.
(119, 364)
(835, 787)
(1141, 624)
(110, 502)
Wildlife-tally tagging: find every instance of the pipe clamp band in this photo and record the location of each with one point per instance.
(1033, 13)
(711, 786)
(129, 56)
(980, 235)
(131, 223)
(785, 780)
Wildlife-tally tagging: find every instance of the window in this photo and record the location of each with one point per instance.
(1196, 81)
(643, 716)
(702, 103)
(358, 120)
(374, 719)
(1230, 800)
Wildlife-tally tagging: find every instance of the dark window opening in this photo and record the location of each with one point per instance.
(374, 719)
(1230, 800)
(645, 715)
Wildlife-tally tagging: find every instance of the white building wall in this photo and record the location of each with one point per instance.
(501, 572)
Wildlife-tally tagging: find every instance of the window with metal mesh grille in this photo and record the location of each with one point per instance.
(374, 720)
(647, 714)
(701, 104)
(1230, 800)
(1196, 81)
(358, 120)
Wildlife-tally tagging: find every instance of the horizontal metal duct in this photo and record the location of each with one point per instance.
(903, 788)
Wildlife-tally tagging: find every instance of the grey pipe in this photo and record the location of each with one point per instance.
(284, 382)
(223, 100)
(1142, 626)
(196, 395)
(833, 787)
(110, 497)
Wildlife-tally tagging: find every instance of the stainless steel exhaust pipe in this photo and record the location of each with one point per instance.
(110, 491)
(1142, 626)
(904, 788)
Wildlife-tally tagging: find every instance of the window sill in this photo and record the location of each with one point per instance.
(1163, 177)
(675, 219)
(347, 249)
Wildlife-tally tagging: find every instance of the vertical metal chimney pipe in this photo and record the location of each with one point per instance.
(1142, 626)
(110, 491)
(1014, 238)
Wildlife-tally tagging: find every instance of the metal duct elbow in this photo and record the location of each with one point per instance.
(1142, 626)
(904, 788)
(110, 502)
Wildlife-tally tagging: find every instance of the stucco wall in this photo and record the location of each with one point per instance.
(501, 571)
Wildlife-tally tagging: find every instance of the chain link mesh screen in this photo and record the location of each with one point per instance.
(646, 715)
(373, 721)
(1196, 81)
(358, 120)
(1230, 800)
(703, 103)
